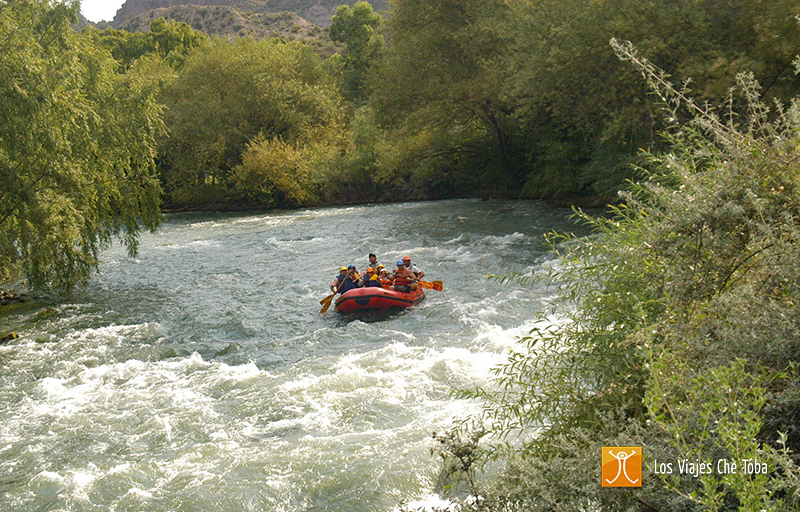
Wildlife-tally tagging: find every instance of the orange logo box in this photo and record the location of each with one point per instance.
(622, 466)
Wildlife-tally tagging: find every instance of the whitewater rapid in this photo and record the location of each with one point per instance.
(200, 375)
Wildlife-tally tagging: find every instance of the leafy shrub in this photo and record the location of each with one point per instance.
(684, 334)
(274, 173)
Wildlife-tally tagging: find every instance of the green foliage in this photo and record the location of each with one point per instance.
(717, 413)
(357, 29)
(684, 338)
(228, 93)
(276, 174)
(172, 40)
(77, 147)
(500, 94)
(569, 59)
(169, 40)
(439, 94)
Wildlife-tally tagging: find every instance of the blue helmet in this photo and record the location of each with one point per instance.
(400, 263)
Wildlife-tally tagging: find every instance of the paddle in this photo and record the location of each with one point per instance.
(326, 303)
(435, 285)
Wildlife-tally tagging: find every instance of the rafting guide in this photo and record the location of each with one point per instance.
(697, 467)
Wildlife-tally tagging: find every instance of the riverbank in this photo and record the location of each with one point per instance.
(561, 201)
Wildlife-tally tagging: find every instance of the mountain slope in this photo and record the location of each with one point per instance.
(318, 12)
(225, 20)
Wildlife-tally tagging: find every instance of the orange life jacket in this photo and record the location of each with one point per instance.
(401, 280)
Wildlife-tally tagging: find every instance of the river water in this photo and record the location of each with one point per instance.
(199, 376)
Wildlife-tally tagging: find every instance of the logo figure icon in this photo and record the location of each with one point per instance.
(621, 466)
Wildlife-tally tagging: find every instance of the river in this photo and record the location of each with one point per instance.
(200, 376)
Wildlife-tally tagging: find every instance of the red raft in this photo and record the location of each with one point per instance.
(376, 299)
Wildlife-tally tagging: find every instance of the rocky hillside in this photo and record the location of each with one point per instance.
(224, 20)
(318, 12)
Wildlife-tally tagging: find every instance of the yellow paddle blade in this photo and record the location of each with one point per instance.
(327, 299)
(326, 304)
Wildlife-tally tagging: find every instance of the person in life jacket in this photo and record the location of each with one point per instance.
(346, 280)
(417, 271)
(403, 278)
(383, 276)
(338, 279)
(370, 279)
(373, 262)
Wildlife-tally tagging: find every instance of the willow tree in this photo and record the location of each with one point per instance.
(171, 40)
(77, 147)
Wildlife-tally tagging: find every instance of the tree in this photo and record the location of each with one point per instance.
(231, 92)
(500, 94)
(77, 147)
(173, 39)
(357, 29)
(170, 40)
(440, 93)
(585, 116)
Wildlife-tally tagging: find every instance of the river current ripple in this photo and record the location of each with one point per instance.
(200, 375)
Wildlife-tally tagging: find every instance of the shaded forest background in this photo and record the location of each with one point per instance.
(442, 98)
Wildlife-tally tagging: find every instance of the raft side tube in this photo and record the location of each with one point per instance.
(377, 299)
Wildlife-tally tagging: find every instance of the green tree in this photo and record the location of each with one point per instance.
(77, 147)
(357, 29)
(276, 174)
(170, 40)
(126, 47)
(495, 95)
(231, 92)
(440, 94)
(585, 115)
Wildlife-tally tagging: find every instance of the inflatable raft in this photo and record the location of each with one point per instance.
(376, 299)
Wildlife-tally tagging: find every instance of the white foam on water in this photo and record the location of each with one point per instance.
(116, 332)
(140, 494)
(195, 245)
(208, 445)
(50, 476)
(379, 404)
(506, 339)
(60, 400)
(264, 220)
(502, 241)
(429, 503)
(459, 240)
(79, 482)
